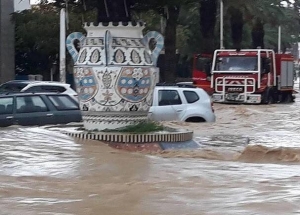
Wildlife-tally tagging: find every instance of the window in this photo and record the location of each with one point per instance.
(57, 89)
(168, 97)
(29, 104)
(12, 87)
(45, 88)
(6, 105)
(34, 89)
(63, 102)
(191, 96)
(236, 63)
(203, 64)
(200, 63)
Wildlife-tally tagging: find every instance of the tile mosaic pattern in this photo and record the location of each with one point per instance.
(152, 142)
(134, 138)
(115, 72)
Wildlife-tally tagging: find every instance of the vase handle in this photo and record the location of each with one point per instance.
(70, 44)
(159, 44)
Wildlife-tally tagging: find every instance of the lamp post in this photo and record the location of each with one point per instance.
(53, 70)
(279, 39)
(221, 25)
(62, 48)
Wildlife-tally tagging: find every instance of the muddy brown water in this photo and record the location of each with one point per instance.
(248, 163)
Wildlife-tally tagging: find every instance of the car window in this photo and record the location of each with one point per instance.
(46, 88)
(63, 102)
(6, 105)
(29, 104)
(191, 96)
(34, 89)
(12, 87)
(168, 97)
(58, 89)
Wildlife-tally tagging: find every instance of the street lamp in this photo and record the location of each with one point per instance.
(62, 48)
(53, 70)
(221, 25)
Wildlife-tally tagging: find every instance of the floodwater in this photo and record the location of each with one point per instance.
(248, 163)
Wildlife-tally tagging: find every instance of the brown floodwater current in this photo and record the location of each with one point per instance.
(248, 163)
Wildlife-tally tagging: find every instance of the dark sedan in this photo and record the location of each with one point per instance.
(38, 109)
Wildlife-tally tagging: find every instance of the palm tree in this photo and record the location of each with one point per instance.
(257, 14)
(208, 18)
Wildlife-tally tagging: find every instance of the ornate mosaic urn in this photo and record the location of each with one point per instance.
(115, 73)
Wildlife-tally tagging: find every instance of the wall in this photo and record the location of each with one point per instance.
(7, 41)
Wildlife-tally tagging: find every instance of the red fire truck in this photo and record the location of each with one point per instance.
(246, 76)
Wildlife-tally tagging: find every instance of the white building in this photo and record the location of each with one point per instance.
(20, 5)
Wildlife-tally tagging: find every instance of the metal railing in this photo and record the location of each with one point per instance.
(234, 82)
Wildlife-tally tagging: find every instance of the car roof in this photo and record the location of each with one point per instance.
(176, 85)
(182, 88)
(29, 93)
(179, 85)
(35, 82)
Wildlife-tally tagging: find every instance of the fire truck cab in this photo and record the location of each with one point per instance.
(250, 76)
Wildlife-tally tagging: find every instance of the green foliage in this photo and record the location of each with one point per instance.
(272, 13)
(36, 40)
(37, 30)
(189, 38)
(37, 37)
(142, 127)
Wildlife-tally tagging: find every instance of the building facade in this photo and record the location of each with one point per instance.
(7, 37)
(7, 41)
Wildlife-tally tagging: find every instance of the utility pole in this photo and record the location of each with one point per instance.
(221, 25)
(279, 39)
(62, 48)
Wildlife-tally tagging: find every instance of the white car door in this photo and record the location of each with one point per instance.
(169, 106)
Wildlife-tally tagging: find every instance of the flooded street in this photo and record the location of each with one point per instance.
(247, 163)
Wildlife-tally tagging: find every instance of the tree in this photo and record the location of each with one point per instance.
(208, 18)
(167, 8)
(236, 24)
(107, 10)
(36, 43)
(190, 26)
(257, 14)
(37, 39)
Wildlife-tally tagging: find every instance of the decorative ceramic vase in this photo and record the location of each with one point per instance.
(115, 74)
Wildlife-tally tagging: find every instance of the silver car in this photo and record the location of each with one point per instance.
(175, 103)
(26, 86)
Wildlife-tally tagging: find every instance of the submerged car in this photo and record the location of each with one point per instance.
(36, 87)
(28, 109)
(181, 103)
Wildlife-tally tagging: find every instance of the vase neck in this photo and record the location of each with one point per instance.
(130, 29)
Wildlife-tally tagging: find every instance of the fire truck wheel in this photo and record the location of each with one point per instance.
(268, 96)
(287, 98)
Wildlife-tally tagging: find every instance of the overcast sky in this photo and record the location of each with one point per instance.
(33, 1)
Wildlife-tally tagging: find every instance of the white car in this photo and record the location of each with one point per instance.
(37, 86)
(176, 103)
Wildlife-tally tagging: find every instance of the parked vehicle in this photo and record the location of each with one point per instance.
(181, 103)
(38, 109)
(37, 87)
(246, 76)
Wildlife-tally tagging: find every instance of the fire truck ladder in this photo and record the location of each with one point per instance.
(235, 82)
